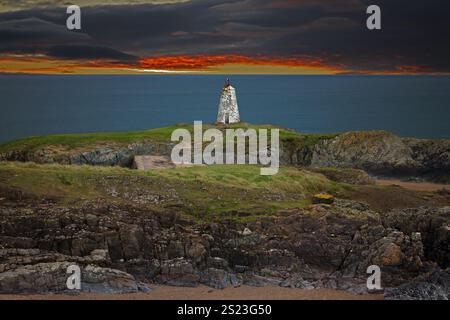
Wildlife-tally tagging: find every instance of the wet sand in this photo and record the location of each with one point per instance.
(206, 293)
(416, 186)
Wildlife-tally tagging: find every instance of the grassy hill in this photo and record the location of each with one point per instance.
(199, 192)
(89, 140)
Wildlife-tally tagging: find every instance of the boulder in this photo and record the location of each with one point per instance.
(52, 277)
(178, 272)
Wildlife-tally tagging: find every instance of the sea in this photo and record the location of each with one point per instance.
(412, 106)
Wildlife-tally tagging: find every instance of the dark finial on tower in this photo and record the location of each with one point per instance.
(228, 82)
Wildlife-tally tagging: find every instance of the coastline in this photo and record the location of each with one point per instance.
(206, 293)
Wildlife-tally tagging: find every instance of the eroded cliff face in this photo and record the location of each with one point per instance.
(380, 153)
(121, 247)
(373, 151)
(377, 152)
(101, 155)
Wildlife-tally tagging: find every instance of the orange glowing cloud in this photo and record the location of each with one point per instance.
(218, 64)
(188, 64)
(205, 62)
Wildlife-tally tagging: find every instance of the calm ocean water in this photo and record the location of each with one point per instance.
(406, 105)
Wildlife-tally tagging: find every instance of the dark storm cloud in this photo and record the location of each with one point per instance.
(31, 35)
(88, 52)
(415, 33)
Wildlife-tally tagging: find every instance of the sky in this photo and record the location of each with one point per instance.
(225, 37)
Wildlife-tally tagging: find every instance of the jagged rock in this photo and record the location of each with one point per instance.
(297, 282)
(389, 254)
(100, 255)
(109, 281)
(131, 238)
(255, 280)
(432, 224)
(295, 248)
(220, 279)
(217, 263)
(434, 156)
(196, 250)
(375, 151)
(17, 242)
(351, 284)
(251, 239)
(178, 272)
(52, 277)
(416, 291)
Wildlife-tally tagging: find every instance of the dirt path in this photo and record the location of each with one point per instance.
(206, 293)
(416, 186)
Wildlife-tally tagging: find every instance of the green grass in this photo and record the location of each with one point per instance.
(78, 140)
(290, 180)
(203, 193)
(72, 141)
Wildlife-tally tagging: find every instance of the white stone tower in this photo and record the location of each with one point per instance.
(228, 107)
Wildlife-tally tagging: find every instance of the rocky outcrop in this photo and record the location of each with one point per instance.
(121, 156)
(120, 247)
(51, 277)
(378, 152)
(383, 153)
(433, 155)
(432, 224)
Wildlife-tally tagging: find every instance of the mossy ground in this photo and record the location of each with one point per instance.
(231, 191)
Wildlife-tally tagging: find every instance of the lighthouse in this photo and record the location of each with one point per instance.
(228, 107)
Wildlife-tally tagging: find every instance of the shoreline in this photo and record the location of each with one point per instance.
(160, 292)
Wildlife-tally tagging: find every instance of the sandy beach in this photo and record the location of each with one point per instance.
(206, 293)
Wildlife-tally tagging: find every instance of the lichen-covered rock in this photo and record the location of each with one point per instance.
(52, 278)
(389, 254)
(374, 151)
(296, 281)
(122, 157)
(178, 272)
(109, 281)
(295, 248)
(433, 226)
(322, 198)
(220, 279)
(434, 156)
